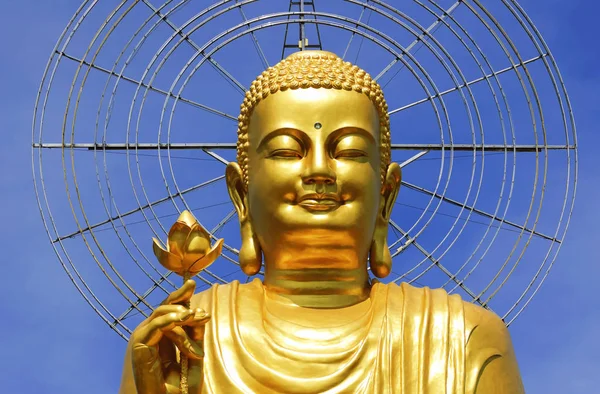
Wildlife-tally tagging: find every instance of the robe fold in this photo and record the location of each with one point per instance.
(401, 339)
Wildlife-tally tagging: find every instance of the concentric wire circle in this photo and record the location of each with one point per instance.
(136, 119)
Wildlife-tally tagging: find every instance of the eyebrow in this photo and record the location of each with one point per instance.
(303, 138)
(349, 130)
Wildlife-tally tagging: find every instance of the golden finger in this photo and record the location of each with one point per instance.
(170, 320)
(164, 309)
(183, 294)
(195, 326)
(185, 345)
(167, 354)
(151, 333)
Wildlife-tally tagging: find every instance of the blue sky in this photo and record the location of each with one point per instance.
(53, 342)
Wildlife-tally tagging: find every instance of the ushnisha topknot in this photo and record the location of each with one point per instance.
(312, 69)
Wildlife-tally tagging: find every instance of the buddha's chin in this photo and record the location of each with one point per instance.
(336, 220)
(315, 213)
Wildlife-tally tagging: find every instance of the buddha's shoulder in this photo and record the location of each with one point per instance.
(482, 326)
(486, 330)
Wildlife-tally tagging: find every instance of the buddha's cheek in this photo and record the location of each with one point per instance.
(360, 186)
(359, 182)
(273, 188)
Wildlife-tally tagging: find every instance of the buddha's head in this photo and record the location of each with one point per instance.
(313, 184)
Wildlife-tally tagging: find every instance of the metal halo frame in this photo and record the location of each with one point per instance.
(138, 303)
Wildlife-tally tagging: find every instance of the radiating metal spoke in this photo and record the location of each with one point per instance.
(302, 27)
(488, 76)
(362, 13)
(480, 148)
(413, 158)
(259, 50)
(477, 211)
(131, 212)
(215, 156)
(149, 87)
(362, 38)
(232, 145)
(301, 43)
(187, 39)
(417, 40)
(138, 146)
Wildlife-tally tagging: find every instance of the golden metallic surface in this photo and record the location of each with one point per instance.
(188, 252)
(312, 69)
(314, 206)
(188, 248)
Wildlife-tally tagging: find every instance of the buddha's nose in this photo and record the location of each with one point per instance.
(318, 170)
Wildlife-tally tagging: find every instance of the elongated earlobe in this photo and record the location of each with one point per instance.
(380, 258)
(250, 251)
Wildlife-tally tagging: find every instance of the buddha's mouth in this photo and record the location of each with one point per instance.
(319, 202)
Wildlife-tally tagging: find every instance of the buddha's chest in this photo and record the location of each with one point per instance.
(264, 353)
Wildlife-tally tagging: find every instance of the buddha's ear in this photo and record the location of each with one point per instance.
(250, 252)
(237, 190)
(380, 258)
(389, 192)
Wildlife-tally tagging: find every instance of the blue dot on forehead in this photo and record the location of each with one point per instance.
(318, 125)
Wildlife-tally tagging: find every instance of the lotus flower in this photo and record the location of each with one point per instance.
(188, 248)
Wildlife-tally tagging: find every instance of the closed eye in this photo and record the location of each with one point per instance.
(350, 154)
(285, 154)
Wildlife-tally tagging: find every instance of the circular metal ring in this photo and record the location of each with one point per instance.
(477, 82)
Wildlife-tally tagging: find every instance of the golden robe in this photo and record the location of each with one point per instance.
(401, 339)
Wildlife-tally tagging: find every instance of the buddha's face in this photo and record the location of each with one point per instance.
(314, 171)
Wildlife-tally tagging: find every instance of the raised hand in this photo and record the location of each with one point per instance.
(156, 369)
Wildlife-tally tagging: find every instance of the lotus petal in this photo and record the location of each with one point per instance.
(197, 242)
(167, 259)
(208, 259)
(177, 237)
(187, 218)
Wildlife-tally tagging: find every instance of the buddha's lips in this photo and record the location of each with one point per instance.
(319, 202)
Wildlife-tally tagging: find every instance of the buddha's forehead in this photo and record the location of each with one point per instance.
(301, 109)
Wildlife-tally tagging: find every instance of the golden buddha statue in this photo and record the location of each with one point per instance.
(313, 187)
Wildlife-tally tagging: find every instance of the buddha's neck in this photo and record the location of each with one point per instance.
(319, 287)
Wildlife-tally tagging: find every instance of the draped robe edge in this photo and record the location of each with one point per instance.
(412, 340)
